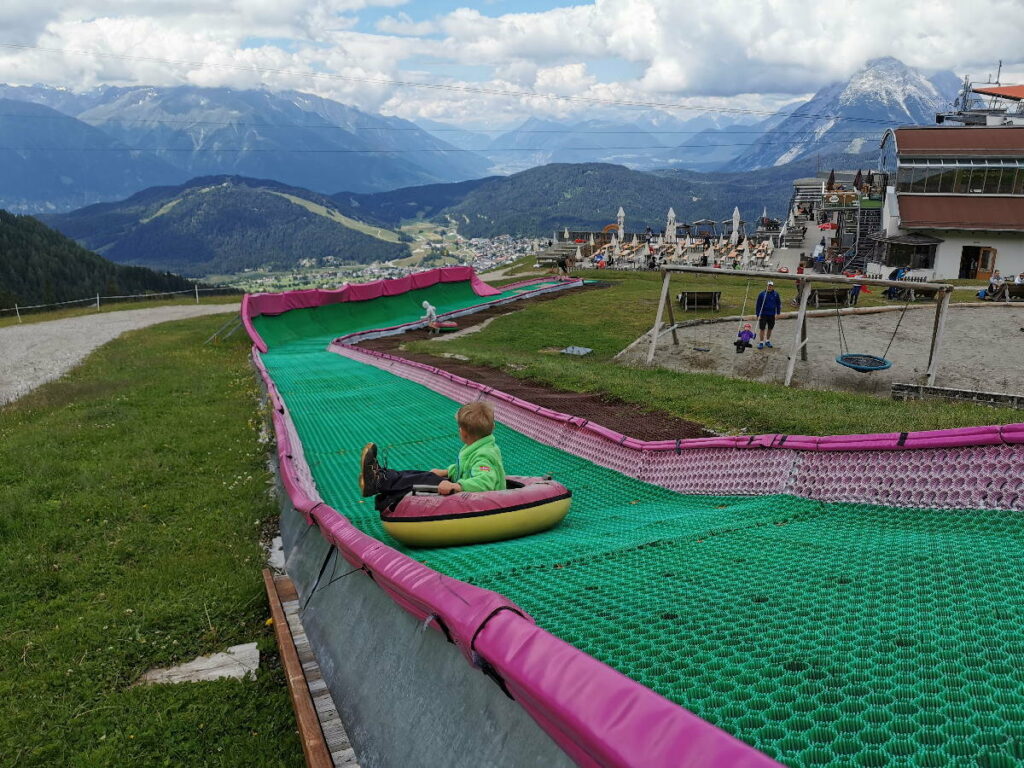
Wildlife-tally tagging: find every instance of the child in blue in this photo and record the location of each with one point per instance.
(745, 337)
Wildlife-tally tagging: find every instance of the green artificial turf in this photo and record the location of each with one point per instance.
(133, 493)
(823, 634)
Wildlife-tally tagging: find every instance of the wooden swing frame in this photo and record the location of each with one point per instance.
(799, 344)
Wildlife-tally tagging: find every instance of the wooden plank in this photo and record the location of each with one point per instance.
(313, 745)
(330, 720)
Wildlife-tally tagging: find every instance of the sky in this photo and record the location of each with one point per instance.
(501, 61)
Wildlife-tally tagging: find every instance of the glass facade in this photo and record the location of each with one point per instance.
(964, 176)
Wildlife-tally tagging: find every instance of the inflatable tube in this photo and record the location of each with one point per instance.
(528, 505)
(444, 326)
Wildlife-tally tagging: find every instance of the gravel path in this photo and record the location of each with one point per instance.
(35, 353)
(983, 350)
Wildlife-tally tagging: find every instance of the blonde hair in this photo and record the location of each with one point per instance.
(476, 419)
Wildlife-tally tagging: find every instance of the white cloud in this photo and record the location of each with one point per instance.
(677, 52)
(402, 24)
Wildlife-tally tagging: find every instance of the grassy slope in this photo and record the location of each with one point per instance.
(133, 493)
(378, 232)
(525, 343)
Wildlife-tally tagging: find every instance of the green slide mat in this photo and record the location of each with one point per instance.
(820, 633)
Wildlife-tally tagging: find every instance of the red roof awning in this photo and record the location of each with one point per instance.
(1015, 92)
(994, 214)
(961, 141)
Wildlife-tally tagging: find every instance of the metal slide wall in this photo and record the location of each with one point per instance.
(830, 601)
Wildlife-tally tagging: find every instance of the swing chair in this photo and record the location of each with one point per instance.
(746, 294)
(863, 362)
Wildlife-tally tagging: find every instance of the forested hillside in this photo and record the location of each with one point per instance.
(533, 203)
(587, 196)
(41, 266)
(226, 224)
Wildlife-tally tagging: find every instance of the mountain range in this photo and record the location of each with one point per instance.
(61, 149)
(851, 117)
(148, 136)
(227, 224)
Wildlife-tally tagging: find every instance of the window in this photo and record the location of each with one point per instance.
(991, 186)
(945, 181)
(1006, 180)
(917, 177)
(903, 179)
(960, 176)
(962, 181)
(910, 256)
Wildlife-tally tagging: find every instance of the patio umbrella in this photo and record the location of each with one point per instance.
(566, 233)
(678, 250)
(636, 240)
(735, 236)
(591, 240)
(670, 226)
(579, 256)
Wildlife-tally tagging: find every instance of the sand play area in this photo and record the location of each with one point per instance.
(983, 350)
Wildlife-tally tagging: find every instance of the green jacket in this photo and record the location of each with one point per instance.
(479, 467)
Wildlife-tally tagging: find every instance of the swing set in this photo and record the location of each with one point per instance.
(862, 362)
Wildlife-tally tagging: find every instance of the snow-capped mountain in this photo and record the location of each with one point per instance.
(850, 117)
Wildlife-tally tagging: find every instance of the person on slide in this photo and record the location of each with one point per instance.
(478, 468)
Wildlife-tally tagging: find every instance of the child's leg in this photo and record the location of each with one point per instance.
(395, 485)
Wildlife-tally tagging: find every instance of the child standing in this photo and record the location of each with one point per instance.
(478, 468)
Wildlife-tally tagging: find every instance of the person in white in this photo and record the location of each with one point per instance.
(996, 286)
(431, 310)
(1019, 279)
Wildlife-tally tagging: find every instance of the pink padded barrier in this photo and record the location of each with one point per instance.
(570, 694)
(914, 469)
(254, 304)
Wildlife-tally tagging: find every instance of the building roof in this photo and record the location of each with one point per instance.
(961, 141)
(1014, 92)
(993, 214)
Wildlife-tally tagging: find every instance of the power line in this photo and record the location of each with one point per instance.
(385, 151)
(478, 90)
(410, 129)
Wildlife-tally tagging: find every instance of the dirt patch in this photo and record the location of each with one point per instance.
(627, 418)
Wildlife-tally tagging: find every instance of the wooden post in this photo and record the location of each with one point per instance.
(798, 332)
(17, 312)
(938, 330)
(197, 293)
(97, 302)
(657, 318)
(672, 320)
(803, 340)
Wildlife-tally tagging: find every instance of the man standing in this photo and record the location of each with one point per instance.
(769, 304)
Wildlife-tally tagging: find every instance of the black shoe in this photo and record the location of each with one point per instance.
(370, 471)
